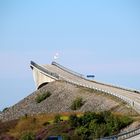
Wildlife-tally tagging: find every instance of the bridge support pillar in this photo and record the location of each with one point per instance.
(41, 78)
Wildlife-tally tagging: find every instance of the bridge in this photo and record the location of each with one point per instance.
(48, 73)
(44, 74)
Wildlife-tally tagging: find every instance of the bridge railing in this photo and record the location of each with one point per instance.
(116, 86)
(121, 97)
(67, 70)
(82, 76)
(44, 70)
(123, 136)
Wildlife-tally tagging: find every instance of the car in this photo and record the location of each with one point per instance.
(90, 76)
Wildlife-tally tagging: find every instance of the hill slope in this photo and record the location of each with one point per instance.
(62, 96)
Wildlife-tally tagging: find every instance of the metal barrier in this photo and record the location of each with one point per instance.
(82, 76)
(68, 70)
(123, 136)
(116, 86)
(44, 70)
(124, 99)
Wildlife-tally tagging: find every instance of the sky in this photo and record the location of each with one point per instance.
(100, 37)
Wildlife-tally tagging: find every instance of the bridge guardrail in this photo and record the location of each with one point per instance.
(116, 86)
(82, 76)
(44, 70)
(130, 102)
(123, 136)
(125, 99)
(68, 70)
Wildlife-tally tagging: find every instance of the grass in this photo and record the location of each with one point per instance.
(44, 125)
(6, 126)
(36, 123)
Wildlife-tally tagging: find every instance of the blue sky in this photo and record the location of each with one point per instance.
(100, 37)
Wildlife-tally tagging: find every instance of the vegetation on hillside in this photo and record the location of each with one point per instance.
(41, 97)
(89, 125)
(95, 125)
(77, 103)
(28, 136)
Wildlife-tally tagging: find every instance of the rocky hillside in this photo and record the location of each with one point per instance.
(62, 96)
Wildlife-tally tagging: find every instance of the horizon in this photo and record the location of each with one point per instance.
(91, 37)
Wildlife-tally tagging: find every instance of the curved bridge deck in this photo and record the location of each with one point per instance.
(62, 73)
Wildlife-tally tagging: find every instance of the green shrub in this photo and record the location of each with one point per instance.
(43, 96)
(124, 121)
(57, 118)
(83, 132)
(93, 125)
(97, 130)
(28, 136)
(77, 103)
(87, 118)
(73, 120)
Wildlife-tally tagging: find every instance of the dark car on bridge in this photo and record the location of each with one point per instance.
(90, 76)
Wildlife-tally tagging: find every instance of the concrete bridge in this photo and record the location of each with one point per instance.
(41, 75)
(44, 74)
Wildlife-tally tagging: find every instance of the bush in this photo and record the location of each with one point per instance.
(87, 118)
(94, 125)
(43, 96)
(73, 120)
(124, 121)
(57, 118)
(77, 103)
(97, 130)
(83, 132)
(28, 136)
